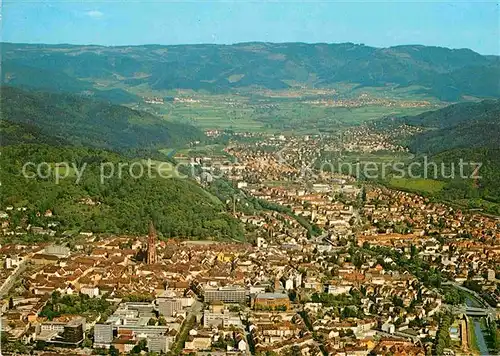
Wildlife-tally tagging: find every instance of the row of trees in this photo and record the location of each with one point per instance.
(443, 339)
(494, 334)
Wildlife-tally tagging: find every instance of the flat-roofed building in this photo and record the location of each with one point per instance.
(169, 306)
(73, 332)
(159, 344)
(103, 335)
(227, 294)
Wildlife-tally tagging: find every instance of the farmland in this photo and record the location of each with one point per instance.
(297, 109)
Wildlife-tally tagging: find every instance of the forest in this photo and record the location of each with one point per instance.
(84, 121)
(178, 207)
(463, 132)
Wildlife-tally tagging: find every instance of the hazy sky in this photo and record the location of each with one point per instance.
(458, 24)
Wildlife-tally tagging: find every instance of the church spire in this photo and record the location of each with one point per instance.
(151, 258)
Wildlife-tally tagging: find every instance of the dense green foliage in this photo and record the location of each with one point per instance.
(463, 125)
(470, 135)
(55, 80)
(89, 122)
(448, 74)
(453, 296)
(341, 300)
(488, 185)
(427, 275)
(443, 339)
(455, 114)
(79, 304)
(312, 229)
(494, 335)
(251, 205)
(465, 132)
(234, 197)
(15, 133)
(10, 347)
(179, 207)
(444, 179)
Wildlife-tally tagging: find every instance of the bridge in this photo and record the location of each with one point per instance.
(484, 311)
(471, 311)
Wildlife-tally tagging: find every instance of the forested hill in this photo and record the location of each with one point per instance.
(486, 110)
(447, 74)
(467, 132)
(15, 133)
(463, 125)
(89, 122)
(56, 80)
(120, 204)
(488, 186)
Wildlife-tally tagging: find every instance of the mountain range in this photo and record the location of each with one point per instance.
(55, 107)
(447, 74)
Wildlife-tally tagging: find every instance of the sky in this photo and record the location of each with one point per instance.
(457, 24)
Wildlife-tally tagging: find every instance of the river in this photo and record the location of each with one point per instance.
(481, 342)
(478, 331)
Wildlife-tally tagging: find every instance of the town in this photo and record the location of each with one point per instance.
(332, 265)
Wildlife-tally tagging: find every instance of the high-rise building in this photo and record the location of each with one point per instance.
(168, 307)
(103, 335)
(74, 332)
(159, 344)
(151, 257)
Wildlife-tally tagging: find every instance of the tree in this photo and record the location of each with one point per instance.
(494, 335)
(413, 250)
(87, 343)
(56, 295)
(113, 351)
(357, 261)
(142, 345)
(453, 297)
(40, 345)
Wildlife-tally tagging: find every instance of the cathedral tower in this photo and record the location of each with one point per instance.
(151, 258)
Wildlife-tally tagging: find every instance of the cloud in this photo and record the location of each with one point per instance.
(95, 14)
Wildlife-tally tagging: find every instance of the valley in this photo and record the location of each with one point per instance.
(255, 198)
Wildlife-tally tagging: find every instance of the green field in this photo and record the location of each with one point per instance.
(184, 154)
(419, 185)
(164, 169)
(281, 117)
(259, 110)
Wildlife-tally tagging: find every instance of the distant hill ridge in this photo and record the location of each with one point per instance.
(463, 132)
(447, 74)
(462, 125)
(87, 122)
